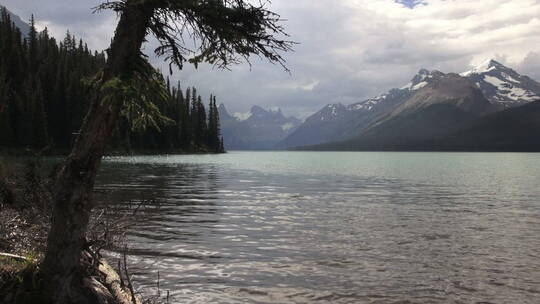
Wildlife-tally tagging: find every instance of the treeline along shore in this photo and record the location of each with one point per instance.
(45, 92)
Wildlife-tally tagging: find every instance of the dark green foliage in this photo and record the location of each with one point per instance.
(45, 91)
(42, 97)
(214, 129)
(6, 131)
(189, 131)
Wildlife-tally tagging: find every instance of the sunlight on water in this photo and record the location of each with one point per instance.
(297, 227)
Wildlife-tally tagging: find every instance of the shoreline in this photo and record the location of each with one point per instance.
(63, 153)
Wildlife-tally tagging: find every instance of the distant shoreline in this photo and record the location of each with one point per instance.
(15, 152)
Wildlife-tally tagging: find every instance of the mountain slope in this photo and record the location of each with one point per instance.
(258, 129)
(23, 26)
(514, 129)
(440, 107)
(448, 89)
(336, 121)
(399, 132)
(487, 88)
(330, 122)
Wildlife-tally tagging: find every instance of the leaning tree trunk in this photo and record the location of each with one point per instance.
(75, 180)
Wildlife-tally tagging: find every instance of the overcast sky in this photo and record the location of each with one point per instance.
(349, 50)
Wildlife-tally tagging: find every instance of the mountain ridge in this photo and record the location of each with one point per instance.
(513, 130)
(259, 129)
(472, 91)
(19, 23)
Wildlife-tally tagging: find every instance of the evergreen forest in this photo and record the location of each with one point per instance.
(45, 95)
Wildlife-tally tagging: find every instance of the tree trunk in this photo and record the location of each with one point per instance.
(75, 180)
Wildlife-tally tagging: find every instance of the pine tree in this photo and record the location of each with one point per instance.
(186, 122)
(221, 146)
(33, 59)
(23, 118)
(211, 128)
(45, 100)
(194, 118)
(6, 131)
(40, 136)
(217, 144)
(201, 123)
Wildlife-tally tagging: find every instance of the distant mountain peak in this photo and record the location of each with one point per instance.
(242, 116)
(224, 114)
(276, 110)
(255, 109)
(423, 72)
(484, 67)
(257, 129)
(222, 107)
(330, 112)
(421, 79)
(258, 112)
(502, 85)
(261, 112)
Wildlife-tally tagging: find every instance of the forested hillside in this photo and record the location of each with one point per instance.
(45, 93)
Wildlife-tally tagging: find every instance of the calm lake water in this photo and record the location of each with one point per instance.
(312, 227)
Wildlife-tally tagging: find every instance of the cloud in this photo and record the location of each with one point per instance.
(61, 15)
(349, 49)
(530, 65)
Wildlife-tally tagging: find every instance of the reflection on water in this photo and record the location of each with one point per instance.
(335, 227)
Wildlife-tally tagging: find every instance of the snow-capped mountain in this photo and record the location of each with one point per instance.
(337, 121)
(420, 80)
(487, 88)
(503, 86)
(449, 89)
(331, 112)
(443, 127)
(258, 129)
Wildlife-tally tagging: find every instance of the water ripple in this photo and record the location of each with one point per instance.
(364, 228)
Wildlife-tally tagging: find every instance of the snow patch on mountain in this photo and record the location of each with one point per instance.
(420, 80)
(368, 104)
(495, 81)
(518, 94)
(331, 112)
(502, 85)
(482, 68)
(287, 127)
(242, 116)
(499, 84)
(258, 129)
(334, 110)
(419, 86)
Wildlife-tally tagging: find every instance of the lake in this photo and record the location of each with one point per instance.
(333, 227)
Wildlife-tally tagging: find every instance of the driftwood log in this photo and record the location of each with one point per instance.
(104, 287)
(14, 256)
(114, 289)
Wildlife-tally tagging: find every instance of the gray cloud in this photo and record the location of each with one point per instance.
(349, 49)
(62, 15)
(530, 65)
